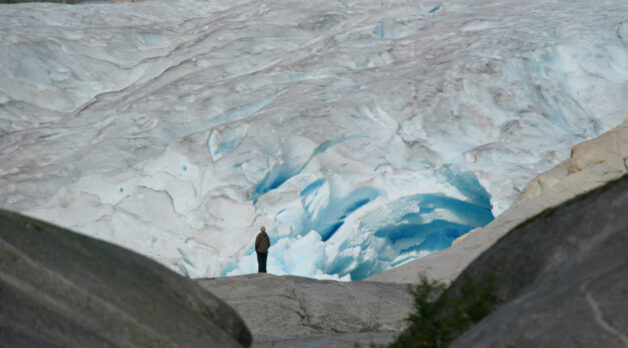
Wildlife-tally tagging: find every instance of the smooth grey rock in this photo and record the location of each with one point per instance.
(563, 276)
(59, 288)
(330, 340)
(289, 311)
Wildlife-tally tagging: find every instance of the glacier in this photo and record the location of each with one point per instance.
(362, 134)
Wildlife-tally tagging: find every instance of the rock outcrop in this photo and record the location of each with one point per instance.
(289, 311)
(59, 288)
(563, 277)
(592, 164)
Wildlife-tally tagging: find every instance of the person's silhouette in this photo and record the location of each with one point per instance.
(262, 243)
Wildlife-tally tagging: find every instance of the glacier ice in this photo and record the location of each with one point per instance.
(363, 134)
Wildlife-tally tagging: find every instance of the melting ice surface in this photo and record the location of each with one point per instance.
(363, 134)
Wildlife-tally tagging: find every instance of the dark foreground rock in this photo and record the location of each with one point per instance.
(59, 288)
(563, 276)
(288, 311)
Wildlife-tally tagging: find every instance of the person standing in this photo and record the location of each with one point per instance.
(262, 243)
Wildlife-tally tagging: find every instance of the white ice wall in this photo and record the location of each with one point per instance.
(177, 128)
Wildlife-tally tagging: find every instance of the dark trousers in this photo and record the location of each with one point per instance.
(261, 262)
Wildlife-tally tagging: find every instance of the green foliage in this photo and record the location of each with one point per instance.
(441, 315)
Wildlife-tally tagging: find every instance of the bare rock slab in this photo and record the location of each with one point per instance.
(289, 311)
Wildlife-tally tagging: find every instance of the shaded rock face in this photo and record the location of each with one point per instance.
(290, 311)
(59, 288)
(563, 276)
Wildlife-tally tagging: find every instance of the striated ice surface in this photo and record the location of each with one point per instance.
(363, 134)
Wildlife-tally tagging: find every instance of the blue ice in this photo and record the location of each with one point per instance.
(365, 269)
(423, 223)
(420, 231)
(312, 187)
(297, 77)
(379, 30)
(332, 216)
(326, 145)
(281, 173)
(468, 185)
(228, 146)
(275, 178)
(434, 9)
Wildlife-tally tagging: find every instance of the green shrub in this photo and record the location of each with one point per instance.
(442, 314)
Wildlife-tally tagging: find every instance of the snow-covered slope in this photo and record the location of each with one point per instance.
(361, 133)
